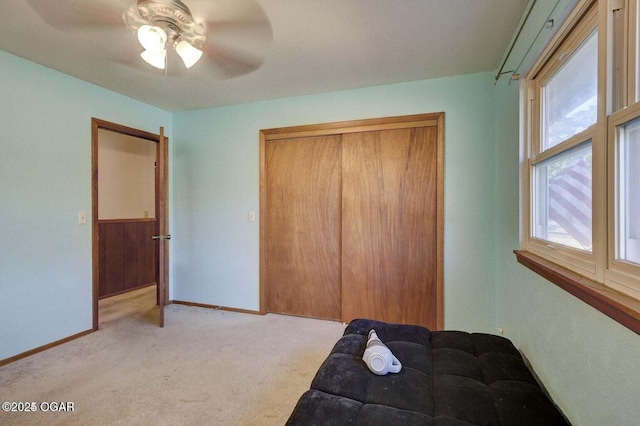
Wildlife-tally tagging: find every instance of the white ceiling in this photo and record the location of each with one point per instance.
(317, 46)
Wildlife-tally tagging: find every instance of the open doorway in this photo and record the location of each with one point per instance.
(129, 182)
(137, 306)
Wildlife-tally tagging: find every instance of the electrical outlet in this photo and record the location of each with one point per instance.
(500, 330)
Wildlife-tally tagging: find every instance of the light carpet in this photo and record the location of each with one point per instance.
(205, 367)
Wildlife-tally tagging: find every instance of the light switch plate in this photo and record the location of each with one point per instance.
(82, 218)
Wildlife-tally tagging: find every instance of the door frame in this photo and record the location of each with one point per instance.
(161, 197)
(357, 126)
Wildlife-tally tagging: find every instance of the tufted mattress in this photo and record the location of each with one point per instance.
(448, 378)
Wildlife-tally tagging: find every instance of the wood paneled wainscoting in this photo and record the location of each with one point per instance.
(352, 220)
(128, 255)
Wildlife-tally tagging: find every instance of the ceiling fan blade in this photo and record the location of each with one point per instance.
(235, 20)
(232, 32)
(238, 34)
(228, 62)
(241, 11)
(80, 14)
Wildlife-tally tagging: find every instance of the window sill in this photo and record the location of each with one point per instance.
(617, 306)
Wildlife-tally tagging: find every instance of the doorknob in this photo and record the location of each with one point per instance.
(162, 237)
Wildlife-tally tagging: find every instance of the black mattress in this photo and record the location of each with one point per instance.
(448, 378)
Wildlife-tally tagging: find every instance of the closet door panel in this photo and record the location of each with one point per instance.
(389, 226)
(303, 226)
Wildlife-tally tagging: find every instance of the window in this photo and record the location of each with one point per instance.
(628, 193)
(562, 194)
(582, 168)
(623, 266)
(565, 133)
(570, 97)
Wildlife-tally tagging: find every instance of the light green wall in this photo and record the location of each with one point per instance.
(45, 180)
(589, 363)
(216, 182)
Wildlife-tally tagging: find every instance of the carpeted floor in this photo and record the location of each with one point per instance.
(205, 367)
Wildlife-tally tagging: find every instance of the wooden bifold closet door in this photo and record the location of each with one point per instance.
(303, 227)
(389, 225)
(352, 220)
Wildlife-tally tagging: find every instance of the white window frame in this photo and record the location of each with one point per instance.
(619, 275)
(584, 22)
(618, 96)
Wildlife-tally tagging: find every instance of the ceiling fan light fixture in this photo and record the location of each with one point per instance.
(152, 38)
(155, 58)
(189, 54)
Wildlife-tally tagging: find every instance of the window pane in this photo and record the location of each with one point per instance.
(628, 197)
(562, 198)
(570, 98)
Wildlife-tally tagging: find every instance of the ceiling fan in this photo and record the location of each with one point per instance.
(159, 23)
(231, 34)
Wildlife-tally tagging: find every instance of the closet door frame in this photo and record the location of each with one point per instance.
(356, 126)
